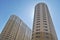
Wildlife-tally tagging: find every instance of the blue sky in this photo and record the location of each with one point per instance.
(25, 10)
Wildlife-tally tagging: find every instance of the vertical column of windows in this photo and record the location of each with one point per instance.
(44, 19)
(38, 23)
(45, 23)
(38, 18)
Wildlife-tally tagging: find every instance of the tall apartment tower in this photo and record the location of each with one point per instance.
(15, 29)
(43, 28)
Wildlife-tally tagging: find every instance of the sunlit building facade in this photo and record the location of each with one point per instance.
(43, 28)
(15, 29)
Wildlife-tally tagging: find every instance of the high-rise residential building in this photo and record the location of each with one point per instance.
(15, 29)
(43, 28)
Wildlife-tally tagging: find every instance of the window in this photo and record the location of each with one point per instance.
(6, 38)
(44, 21)
(37, 29)
(37, 36)
(33, 30)
(45, 29)
(37, 26)
(32, 37)
(38, 14)
(46, 36)
(38, 19)
(32, 34)
(44, 18)
(46, 33)
(37, 32)
(45, 26)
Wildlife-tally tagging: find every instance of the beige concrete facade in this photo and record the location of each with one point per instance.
(15, 29)
(43, 28)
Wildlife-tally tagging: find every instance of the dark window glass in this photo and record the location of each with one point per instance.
(47, 37)
(37, 36)
(44, 21)
(46, 33)
(38, 14)
(32, 34)
(45, 29)
(37, 32)
(45, 26)
(38, 19)
(37, 29)
(32, 37)
(37, 26)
